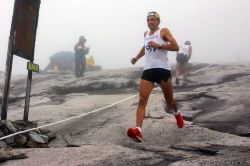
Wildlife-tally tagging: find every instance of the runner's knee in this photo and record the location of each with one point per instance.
(143, 101)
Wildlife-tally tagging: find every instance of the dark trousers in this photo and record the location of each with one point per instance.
(80, 65)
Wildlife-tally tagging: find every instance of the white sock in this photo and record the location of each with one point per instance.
(139, 128)
(176, 113)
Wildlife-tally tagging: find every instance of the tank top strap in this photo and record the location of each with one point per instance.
(159, 32)
(147, 33)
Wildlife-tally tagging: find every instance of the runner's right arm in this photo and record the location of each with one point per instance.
(140, 54)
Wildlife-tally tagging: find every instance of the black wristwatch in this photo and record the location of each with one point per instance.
(160, 46)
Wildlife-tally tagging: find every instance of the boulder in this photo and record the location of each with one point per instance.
(20, 139)
(36, 137)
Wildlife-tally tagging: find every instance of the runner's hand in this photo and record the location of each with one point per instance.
(152, 44)
(133, 60)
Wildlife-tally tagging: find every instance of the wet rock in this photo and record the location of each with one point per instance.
(32, 144)
(37, 131)
(36, 137)
(20, 139)
(22, 125)
(45, 131)
(3, 144)
(10, 140)
(5, 131)
(51, 135)
(10, 154)
(45, 138)
(10, 126)
(1, 134)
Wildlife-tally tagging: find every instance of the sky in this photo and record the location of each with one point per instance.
(219, 30)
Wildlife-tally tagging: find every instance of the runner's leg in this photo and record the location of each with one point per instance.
(145, 90)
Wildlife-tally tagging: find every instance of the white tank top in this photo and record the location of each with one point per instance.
(155, 58)
(184, 49)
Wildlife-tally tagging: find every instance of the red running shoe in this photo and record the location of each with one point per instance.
(179, 120)
(135, 134)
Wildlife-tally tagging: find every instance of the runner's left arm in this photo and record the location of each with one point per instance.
(167, 36)
(172, 44)
(138, 56)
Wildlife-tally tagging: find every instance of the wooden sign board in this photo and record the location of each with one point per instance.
(24, 25)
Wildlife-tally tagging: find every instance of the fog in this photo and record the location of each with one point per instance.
(218, 29)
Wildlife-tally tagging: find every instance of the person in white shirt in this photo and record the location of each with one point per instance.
(182, 58)
(157, 42)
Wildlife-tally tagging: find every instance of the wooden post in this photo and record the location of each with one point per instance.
(27, 98)
(9, 62)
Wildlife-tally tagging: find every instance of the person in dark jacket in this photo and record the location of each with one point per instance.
(80, 56)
